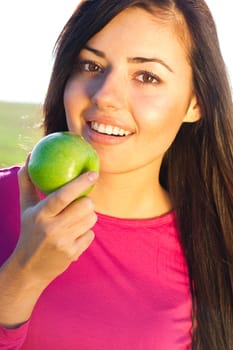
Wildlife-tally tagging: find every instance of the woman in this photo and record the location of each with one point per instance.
(144, 82)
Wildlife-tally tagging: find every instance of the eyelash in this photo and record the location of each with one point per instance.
(99, 69)
(83, 63)
(150, 75)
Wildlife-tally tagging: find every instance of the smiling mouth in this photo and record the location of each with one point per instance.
(109, 129)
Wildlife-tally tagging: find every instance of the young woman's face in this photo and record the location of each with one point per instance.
(130, 91)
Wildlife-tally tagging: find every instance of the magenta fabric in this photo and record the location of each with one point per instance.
(129, 290)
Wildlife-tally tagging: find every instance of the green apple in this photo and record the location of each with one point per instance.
(58, 158)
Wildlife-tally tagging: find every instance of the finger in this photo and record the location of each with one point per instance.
(57, 201)
(84, 225)
(28, 194)
(82, 243)
(76, 212)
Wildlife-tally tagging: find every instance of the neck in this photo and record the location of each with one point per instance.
(137, 194)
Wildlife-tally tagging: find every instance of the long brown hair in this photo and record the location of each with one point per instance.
(197, 170)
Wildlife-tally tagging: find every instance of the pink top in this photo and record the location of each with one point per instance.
(128, 291)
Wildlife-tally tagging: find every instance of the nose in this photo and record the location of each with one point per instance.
(109, 90)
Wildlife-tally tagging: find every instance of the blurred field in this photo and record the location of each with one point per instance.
(19, 131)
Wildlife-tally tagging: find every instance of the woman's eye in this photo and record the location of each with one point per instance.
(147, 78)
(89, 66)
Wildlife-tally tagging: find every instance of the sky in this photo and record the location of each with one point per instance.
(29, 29)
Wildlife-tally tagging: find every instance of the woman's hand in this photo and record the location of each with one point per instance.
(56, 230)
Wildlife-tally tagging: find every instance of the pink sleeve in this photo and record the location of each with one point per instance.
(12, 339)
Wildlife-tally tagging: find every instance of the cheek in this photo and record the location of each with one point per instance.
(71, 93)
(160, 119)
(73, 105)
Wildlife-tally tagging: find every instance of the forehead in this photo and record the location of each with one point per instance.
(138, 30)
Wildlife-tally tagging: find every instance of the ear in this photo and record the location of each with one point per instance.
(194, 112)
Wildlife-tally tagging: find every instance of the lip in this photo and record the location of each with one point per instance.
(95, 137)
(109, 120)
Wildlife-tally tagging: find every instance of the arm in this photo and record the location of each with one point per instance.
(54, 232)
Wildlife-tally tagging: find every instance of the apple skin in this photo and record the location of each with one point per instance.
(58, 158)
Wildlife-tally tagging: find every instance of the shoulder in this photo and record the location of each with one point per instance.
(9, 210)
(9, 174)
(9, 187)
(9, 183)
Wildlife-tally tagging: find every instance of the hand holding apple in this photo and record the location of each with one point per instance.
(54, 231)
(58, 158)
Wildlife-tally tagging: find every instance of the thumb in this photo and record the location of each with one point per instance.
(28, 194)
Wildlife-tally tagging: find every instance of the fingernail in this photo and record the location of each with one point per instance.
(92, 176)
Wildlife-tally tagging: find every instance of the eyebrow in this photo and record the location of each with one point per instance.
(132, 59)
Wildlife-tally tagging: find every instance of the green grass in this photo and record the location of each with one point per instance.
(19, 130)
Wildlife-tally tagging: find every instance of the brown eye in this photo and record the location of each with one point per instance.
(90, 66)
(147, 78)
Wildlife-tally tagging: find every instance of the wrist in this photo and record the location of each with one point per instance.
(19, 294)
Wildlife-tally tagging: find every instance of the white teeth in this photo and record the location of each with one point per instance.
(121, 132)
(101, 128)
(115, 130)
(109, 129)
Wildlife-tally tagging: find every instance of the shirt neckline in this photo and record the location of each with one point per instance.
(164, 219)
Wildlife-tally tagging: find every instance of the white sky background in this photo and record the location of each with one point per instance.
(29, 29)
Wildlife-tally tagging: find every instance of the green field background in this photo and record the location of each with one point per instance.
(20, 129)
